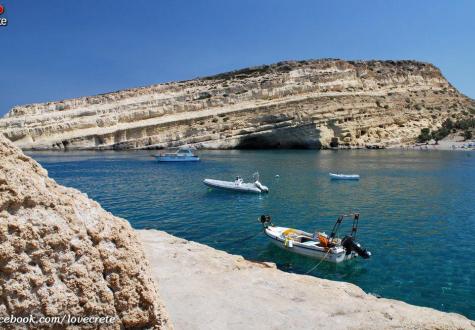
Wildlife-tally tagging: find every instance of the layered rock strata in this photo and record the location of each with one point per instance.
(288, 104)
(62, 254)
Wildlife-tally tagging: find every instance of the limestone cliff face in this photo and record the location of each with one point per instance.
(288, 104)
(61, 253)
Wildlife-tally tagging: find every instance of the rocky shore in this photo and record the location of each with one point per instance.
(61, 253)
(293, 104)
(209, 289)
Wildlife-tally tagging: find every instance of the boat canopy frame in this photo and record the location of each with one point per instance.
(337, 225)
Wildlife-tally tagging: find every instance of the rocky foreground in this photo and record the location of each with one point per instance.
(305, 104)
(209, 289)
(62, 254)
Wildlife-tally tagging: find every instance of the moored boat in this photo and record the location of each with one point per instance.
(183, 154)
(335, 176)
(238, 185)
(318, 245)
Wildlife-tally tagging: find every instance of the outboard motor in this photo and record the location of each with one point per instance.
(265, 220)
(350, 245)
(261, 187)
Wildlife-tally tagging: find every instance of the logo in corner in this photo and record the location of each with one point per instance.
(3, 20)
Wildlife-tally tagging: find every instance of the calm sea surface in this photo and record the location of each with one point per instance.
(417, 210)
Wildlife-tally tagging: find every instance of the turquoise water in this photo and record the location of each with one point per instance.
(417, 210)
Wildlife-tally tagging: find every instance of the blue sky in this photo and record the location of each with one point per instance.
(59, 49)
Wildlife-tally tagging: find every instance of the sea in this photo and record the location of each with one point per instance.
(417, 210)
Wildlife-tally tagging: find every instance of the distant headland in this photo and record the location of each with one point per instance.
(293, 104)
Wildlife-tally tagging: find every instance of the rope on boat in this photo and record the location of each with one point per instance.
(315, 267)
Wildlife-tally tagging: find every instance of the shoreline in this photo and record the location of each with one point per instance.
(449, 145)
(452, 146)
(205, 288)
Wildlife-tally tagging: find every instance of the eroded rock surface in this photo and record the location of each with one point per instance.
(288, 104)
(61, 253)
(209, 289)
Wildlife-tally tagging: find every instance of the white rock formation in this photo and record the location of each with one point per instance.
(288, 104)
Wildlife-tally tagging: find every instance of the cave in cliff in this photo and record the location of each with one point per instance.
(301, 137)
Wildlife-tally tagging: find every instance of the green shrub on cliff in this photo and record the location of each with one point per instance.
(465, 124)
(467, 135)
(448, 123)
(440, 134)
(424, 136)
(448, 126)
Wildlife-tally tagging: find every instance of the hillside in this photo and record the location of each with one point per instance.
(302, 104)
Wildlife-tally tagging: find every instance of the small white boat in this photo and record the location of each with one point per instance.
(318, 245)
(335, 176)
(238, 185)
(183, 154)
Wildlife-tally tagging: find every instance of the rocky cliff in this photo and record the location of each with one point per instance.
(62, 254)
(288, 104)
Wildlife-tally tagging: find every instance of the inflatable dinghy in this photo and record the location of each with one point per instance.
(238, 185)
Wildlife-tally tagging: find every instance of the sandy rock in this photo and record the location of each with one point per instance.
(209, 289)
(61, 253)
(288, 104)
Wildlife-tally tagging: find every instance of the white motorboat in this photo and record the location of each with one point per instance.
(318, 245)
(238, 185)
(335, 176)
(183, 154)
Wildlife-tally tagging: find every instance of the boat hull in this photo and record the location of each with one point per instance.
(334, 255)
(232, 186)
(334, 176)
(177, 159)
